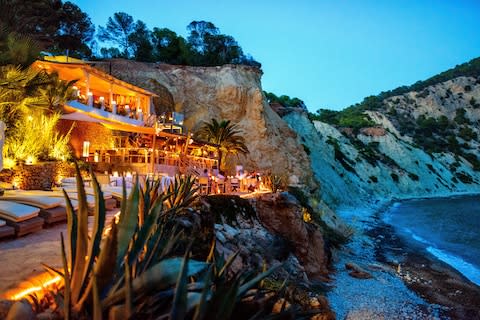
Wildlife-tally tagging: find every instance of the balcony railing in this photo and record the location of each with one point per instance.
(165, 121)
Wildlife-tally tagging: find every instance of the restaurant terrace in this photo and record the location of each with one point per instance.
(113, 125)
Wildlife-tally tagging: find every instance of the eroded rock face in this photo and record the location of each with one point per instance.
(381, 164)
(282, 215)
(229, 92)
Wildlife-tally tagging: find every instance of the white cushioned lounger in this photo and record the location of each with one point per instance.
(21, 218)
(16, 212)
(55, 196)
(6, 231)
(117, 191)
(89, 191)
(40, 201)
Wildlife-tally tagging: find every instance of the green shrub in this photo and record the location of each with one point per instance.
(227, 208)
(460, 117)
(473, 159)
(340, 156)
(413, 176)
(464, 177)
(307, 149)
(467, 134)
(394, 177)
(333, 237)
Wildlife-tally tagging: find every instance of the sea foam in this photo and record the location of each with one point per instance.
(470, 271)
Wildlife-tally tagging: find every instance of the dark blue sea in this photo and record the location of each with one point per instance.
(447, 228)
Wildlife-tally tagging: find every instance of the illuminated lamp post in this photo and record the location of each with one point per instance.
(86, 149)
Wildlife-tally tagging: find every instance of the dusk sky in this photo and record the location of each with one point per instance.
(331, 54)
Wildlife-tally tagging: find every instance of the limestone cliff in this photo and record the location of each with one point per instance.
(229, 92)
(424, 144)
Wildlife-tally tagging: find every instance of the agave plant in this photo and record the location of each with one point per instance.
(274, 182)
(135, 269)
(132, 260)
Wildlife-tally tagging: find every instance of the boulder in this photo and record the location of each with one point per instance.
(282, 215)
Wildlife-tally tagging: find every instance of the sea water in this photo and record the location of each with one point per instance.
(448, 228)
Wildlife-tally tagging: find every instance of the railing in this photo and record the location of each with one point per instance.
(186, 163)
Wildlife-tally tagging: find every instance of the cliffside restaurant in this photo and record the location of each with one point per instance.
(113, 124)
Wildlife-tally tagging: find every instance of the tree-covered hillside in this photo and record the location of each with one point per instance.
(353, 116)
(439, 115)
(62, 28)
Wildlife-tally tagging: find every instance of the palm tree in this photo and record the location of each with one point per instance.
(19, 92)
(226, 136)
(17, 49)
(56, 93)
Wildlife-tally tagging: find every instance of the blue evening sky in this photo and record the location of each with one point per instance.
(331, 54)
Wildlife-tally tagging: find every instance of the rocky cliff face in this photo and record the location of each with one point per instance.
(228, 92)
(425, 143)
(235, 93)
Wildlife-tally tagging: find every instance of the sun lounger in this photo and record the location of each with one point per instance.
(51, 209)
(59, 197)
(117, 193)
(22, 218)
(6, 231)
(110, 202)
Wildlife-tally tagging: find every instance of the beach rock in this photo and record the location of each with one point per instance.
(5, 306)
(282, 215)
(21, 310)
(256, 246)
(357, 272)
(48, 315)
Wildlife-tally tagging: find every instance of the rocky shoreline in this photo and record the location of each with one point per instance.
(433, 280)
(421, 288)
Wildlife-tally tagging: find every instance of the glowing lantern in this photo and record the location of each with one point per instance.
(86, 149)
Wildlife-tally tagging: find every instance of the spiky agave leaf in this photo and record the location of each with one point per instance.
(158, 277)
(71, 229)
(128, 222)
(128, 290)
(106, 259)
(180, 300)
(66, 280)
(250, 284)
(202, 306)
(81, 252)
(140, 245)
(97, 233)
(183, 192)
(97, 304)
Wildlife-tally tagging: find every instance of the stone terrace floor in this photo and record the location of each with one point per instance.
(22, 258)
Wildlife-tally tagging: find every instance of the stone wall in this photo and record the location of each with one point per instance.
(100, 138)
(41, 176)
